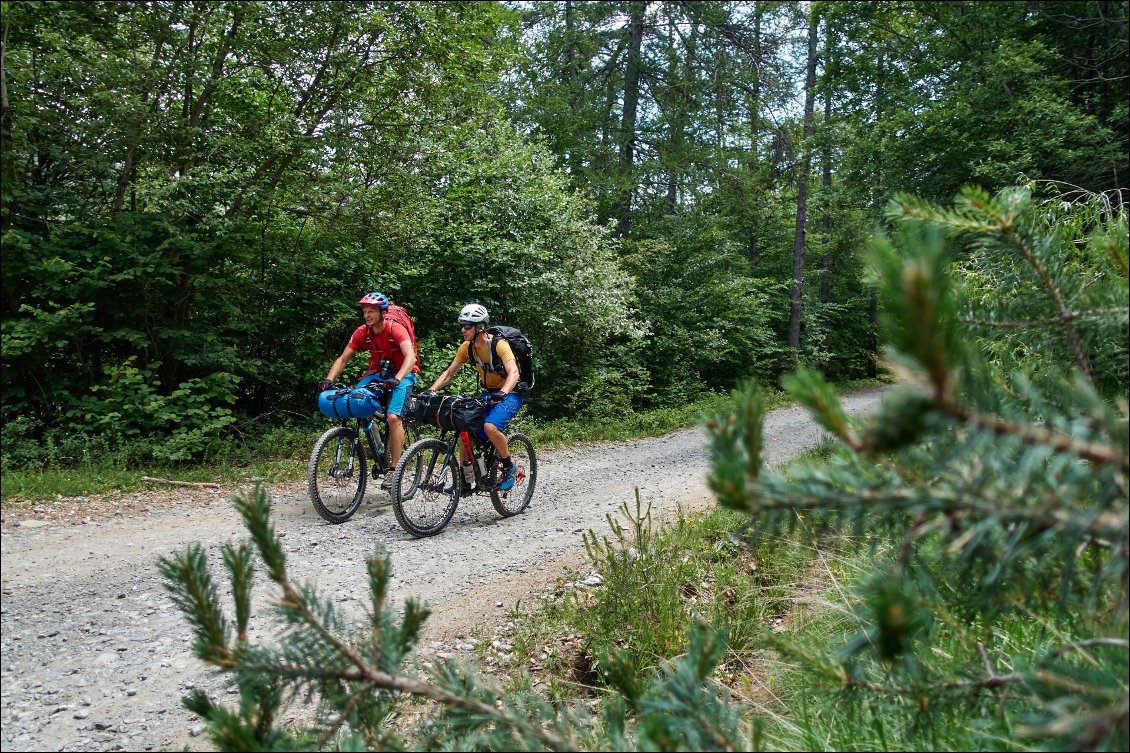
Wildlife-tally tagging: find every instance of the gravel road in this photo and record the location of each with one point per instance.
(95, 657)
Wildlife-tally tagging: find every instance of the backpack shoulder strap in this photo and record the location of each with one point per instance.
(389, 323)
(492, 348)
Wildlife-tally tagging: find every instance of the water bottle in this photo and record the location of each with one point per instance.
(468, 468)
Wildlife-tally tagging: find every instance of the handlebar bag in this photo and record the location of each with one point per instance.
(450, 412)
(429, 408)
(468, 414)
(352, 402)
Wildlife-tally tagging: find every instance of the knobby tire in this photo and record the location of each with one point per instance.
(418, 499)
(517, 498)
(336, 490)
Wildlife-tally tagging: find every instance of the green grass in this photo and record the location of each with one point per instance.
(281, 453)
(655, 581)
(794, 606)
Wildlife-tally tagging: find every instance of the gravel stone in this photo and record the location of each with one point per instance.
(81, 576)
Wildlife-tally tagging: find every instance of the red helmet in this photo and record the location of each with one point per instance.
(379, 300)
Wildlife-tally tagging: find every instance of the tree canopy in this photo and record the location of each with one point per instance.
(195, 194)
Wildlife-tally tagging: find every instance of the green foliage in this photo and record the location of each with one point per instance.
(64, 462)
(989, 606)
(712, 322)
(215, 236)
(990, 495)
(657, 583)
(492, 213)
(206, 189)
(129, 406)
(359, 676)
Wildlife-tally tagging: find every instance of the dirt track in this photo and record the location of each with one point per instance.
(95, 657)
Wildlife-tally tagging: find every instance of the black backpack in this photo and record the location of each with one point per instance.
(523, 355)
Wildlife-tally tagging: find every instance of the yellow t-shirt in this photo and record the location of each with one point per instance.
(504, 353)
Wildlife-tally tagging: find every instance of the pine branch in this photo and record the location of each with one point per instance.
(1072, 316)
(1097, 453)
(188, 579)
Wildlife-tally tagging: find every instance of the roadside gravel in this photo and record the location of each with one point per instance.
(95, 657)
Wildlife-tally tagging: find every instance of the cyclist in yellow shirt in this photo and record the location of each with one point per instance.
(499, 383)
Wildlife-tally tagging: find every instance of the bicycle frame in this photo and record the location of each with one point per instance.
(430, 482)
(338, 472)
(364, 426)
(485, 477)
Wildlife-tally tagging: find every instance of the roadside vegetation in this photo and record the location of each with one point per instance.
(34, 470)
(684, 206)
(948, 573)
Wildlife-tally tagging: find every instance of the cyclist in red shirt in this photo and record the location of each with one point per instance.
(385, 340)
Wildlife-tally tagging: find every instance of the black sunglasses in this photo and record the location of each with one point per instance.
(466, 326)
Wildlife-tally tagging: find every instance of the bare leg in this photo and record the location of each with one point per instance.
(395, 439)
(498, 439)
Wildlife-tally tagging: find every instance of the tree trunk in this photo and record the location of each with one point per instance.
(802, 189)
(678, 107)
(826, 160)
(754, 135)
(628, 124)
(7, 213)
(572, 83)
(876, 206)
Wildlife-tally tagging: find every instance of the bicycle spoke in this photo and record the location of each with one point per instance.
(336, 477)
(515, 499)
(425, 489)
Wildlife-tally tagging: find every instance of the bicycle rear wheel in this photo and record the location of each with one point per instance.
(419, 497)
(411, 434)
(515, 499)
(336, 477)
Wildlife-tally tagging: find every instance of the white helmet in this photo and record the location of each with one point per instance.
(474, 313)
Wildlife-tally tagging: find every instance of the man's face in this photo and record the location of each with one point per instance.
(469, 331)
(372, 315)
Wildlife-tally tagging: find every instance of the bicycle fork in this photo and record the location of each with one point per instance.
(349, 447)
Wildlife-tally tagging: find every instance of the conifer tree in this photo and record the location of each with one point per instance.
(358, 676)
(992, 481)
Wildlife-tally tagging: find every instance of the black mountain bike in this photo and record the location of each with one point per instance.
(426, 486)
(338, 475)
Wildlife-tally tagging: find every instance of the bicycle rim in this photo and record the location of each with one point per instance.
(336, 477)
(517, 498)
(418, 498)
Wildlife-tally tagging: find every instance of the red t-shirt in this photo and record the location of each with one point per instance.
(386, 344)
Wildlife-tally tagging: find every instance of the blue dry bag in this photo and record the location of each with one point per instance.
(352, 402)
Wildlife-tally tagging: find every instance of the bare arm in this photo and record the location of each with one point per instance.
(409, 358)
(445, 378)
(339, 365)
(512, 376)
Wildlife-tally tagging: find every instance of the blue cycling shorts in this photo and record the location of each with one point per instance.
(501, 414)
(400, 395)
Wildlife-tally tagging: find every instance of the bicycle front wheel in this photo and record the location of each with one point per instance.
(425, 487)
(525, 460)
(336, 477)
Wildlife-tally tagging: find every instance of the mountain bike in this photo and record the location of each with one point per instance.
(337, 475)
(426, 486)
